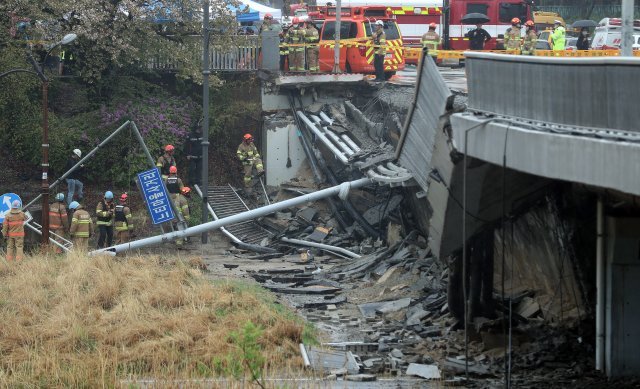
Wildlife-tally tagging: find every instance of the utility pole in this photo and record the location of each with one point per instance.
(205, 112)
(336, 52)
(627, 28)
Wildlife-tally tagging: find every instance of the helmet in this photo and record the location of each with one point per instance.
(60, 197)
(515, 21)
(169, 148)
(295, 20)
(557, 22)
(248, 136)
(123, 197)
(74, 205)
(173, 170)
(108, 195)
(379, 23)
(16, 204)
(432, 25)
(529, 23)
(185, 191)
(268, 16)
(77, 152)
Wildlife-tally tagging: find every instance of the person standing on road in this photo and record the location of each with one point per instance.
(530, 39)
(513, 36)
(558, 37)
(295, 42)
(122, 219)
(312, 37)
(13, 232)
(478, 37)
(431, 40)
(583, 40)
(379, 39)
(250, 157)
(166, 160)
(74, 185)
(81, 226)
(105, 211)
(58, 220)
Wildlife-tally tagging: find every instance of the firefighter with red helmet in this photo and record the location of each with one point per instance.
(268, 24)
(173, 183)
(123, 220)
(530, 39)
(431, 40)
(513, 37)
(312, 37)
(250, 157)
(166, 160)
(295, 42)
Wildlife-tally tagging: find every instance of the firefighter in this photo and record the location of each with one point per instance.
(312, 37)
(284, 51)
(268, 24)
(166, 160)
(173, 183)
(13, 231)
(182, 205)
(81, 226)
(295, 41)
(512, 37)
(559, 36)
(431, 40)
(379, 40)
(105, 211)
(123, 222)
(530, 39)
(58, 220)
(250, 157)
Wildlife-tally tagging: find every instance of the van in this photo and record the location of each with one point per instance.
(356, 28)
(608, 34)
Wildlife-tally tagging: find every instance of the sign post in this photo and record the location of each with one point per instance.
(156, 197)
(5, 204)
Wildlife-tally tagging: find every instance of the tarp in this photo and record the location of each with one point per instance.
(256, 11)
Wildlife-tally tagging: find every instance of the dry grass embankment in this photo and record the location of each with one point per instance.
(83, 322)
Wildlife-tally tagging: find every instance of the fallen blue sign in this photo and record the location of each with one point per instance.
(155, 195)
(5, 203)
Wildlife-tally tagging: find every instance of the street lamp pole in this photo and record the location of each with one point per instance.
(38, 70)
(205, 113)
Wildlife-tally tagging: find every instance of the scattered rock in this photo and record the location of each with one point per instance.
(425, 371)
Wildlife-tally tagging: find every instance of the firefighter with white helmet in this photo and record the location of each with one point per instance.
(13, 231)
(379, 40)
(74, 184)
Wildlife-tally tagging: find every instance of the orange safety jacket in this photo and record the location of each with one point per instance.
(13, 225)
(58, 217)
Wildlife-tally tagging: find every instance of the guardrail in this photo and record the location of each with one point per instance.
(416, 52)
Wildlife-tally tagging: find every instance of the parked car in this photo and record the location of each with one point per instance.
(571, 43)
(542, 44)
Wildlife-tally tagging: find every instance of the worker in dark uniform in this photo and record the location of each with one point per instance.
(478, 37)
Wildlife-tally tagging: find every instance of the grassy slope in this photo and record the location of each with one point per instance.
(84, 322)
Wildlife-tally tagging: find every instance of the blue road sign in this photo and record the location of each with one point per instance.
(158, 202)
(5, 203)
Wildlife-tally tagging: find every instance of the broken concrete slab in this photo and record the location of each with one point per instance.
(416, 316)
(458, 366)
(307, 214)
(370, 309)
(361, 378)
(328, 360)
(430, 372)
(528, 307)
(319, 233)
(394, 306)
(381, 211)
(291, 289)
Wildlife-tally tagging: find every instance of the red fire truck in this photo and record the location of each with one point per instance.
(413, 17)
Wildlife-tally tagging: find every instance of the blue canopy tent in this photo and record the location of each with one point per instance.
(251, 11)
